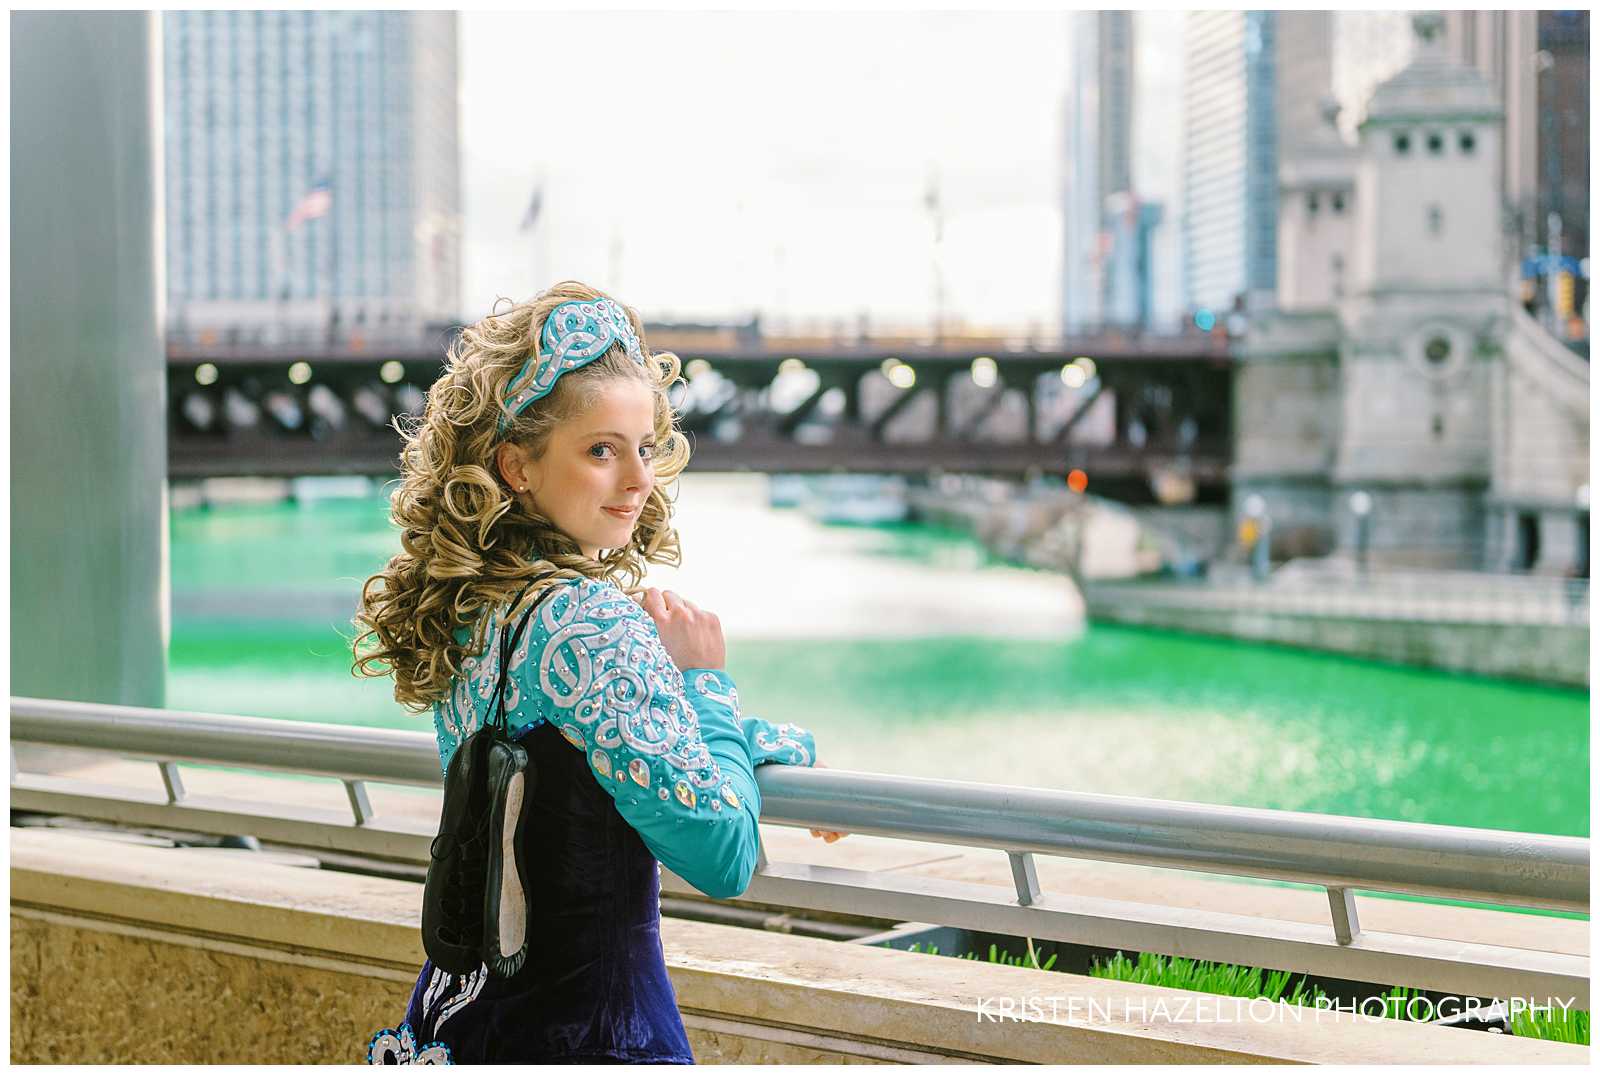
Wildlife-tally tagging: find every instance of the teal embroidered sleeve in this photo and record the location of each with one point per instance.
(671, 754)
(784, 744)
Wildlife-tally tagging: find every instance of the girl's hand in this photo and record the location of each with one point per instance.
(693, 637)
(825, 835)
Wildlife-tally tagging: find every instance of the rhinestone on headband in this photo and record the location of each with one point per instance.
(575, 334)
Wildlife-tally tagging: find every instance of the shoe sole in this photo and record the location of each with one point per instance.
(505, 911)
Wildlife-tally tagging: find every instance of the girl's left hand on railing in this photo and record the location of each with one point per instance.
(826, 835)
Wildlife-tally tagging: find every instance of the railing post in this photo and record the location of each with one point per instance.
(1025, 877)
(360, 805)
(173, 782)
(1342, 902)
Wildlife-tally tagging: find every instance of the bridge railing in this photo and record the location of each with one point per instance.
(289, 342)
(1340, 854)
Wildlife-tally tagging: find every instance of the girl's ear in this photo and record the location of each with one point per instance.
(511, 460)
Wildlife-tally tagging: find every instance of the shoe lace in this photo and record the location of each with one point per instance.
(461, 898)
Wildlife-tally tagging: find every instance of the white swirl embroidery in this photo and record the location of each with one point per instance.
(604, 662)
(461, 713)
(784, 735)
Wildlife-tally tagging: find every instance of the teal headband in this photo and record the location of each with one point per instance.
(575, 334)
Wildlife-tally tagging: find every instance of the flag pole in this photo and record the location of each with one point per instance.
(935, 206)
(539, 246)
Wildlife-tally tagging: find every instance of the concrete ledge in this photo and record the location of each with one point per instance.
(135, 954)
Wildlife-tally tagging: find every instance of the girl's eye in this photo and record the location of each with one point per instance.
(599, 450)
(647, 451)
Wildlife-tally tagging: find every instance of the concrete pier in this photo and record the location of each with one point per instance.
(1453, 632)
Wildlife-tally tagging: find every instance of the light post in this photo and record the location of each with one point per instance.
(1260, 525)
(1361, 508)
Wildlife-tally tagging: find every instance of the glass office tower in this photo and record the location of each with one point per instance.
(312, 170)
(1230, 158)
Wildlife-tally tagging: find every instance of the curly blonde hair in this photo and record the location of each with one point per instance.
(468, 544)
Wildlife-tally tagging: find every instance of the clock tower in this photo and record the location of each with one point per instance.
(1422, 322)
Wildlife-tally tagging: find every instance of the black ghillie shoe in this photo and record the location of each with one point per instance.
(475, 900)
(453, 896)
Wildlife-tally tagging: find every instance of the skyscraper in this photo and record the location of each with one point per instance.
(1158, 155)
(1098, 157)
(312, 175)
(1230, 157)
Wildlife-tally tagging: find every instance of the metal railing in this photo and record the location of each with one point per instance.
(1341, 854)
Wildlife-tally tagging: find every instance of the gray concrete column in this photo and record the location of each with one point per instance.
(88, 389)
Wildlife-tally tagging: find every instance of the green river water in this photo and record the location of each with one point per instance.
(262, 594)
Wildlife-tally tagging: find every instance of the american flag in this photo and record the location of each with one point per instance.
(317, 202)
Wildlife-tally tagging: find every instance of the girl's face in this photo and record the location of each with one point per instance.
(595, 472)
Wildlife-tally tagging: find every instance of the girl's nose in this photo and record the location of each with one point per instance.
(638, 476)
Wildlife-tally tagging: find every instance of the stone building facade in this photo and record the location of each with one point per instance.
(1395, 362)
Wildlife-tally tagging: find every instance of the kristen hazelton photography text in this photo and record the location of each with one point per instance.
(1211, 1009)
(1118, 596)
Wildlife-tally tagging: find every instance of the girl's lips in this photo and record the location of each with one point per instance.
(620, 513)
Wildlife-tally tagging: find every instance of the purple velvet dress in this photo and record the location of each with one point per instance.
(595, 987)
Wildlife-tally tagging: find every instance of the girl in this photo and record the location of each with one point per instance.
(538, 466)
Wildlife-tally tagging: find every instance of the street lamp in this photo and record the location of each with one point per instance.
(1361, 508)
(1259, 525)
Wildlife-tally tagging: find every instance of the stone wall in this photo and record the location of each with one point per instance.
(112, 993)
(1543, 654)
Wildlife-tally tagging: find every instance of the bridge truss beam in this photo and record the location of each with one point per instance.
(234, 413)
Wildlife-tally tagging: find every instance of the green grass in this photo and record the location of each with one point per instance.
(1570, 1026)
(1397, 1004)
(1223, 979)
(1031, 960)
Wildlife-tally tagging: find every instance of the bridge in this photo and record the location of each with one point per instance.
(1126, 409)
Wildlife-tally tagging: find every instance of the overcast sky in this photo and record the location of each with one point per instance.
(706, 165)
